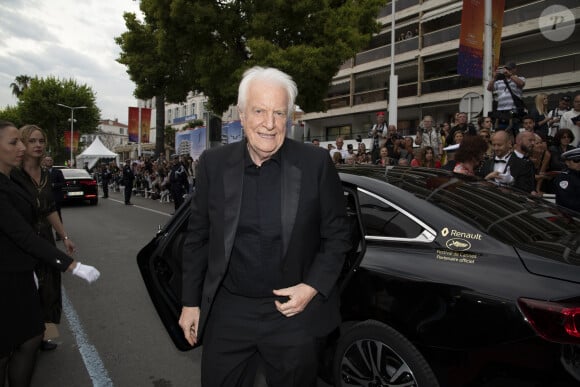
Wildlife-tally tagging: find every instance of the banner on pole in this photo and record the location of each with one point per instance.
(497, 11)
(133, 124)
(145, 124)
(470, 60)
(67, 138)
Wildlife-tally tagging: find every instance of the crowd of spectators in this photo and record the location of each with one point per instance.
(158, 179)
(539, 141)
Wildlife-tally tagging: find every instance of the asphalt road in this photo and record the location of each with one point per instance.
(110, 333)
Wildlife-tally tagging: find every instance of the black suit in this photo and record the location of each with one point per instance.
(57, 181)
(314, 237)
(521, 170)
(21, 248)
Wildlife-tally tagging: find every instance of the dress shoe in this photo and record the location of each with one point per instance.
(48, 345)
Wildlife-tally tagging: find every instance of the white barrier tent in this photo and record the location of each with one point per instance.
(94, 152)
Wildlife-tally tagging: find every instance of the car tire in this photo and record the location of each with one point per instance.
(94, 202)
(373, 354)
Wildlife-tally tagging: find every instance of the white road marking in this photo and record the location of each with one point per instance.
(141, 207)
(91, 358)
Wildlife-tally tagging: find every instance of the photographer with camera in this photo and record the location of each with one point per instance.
(508, 87)
(571, 120)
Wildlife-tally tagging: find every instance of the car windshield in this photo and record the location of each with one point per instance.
(525, 222)
(75, 173)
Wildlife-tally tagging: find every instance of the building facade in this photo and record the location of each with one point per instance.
(112, 134)
(178, 115)
(426, 50)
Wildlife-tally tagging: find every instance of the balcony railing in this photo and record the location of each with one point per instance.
(441, 36)
(452, 82)
(385, 51)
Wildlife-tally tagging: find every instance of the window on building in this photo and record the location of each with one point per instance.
(344, 131)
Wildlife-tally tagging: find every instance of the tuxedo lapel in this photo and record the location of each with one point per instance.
(233, 179)
(291, 180)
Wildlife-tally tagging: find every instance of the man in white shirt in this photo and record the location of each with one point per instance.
(506, 78)
(571, 120)
(339, 145)
(428, 135)
(378, 131)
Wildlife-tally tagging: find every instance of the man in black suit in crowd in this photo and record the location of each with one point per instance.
(128, 178)
(506, 168)
(57, 181)
(266, 242)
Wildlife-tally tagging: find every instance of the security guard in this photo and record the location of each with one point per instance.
(128, 177)
(567, 183)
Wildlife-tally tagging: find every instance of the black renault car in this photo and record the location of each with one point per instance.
(79, 186)
(451, 281)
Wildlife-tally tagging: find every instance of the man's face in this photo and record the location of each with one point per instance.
(573, 165)
(461, 118)
(427, 123)
(339, 143)
(486, 123)
(563, 104)
(264, 119)
(48, 162)
(529, 125)
(501, 144)
(526, 142)
(577, 103)
(380, 119)
(316, 143)
(392, 130)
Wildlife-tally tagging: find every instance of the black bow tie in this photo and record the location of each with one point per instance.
(500, 161)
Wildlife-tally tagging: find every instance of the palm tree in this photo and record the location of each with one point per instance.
(20, 84)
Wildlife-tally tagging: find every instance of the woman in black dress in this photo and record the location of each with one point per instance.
(37, 181)
(22, 325)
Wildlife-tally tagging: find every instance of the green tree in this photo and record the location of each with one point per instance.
(20, 84)
(12, 114)
(38, 105)
(152, 63)
(205, 45)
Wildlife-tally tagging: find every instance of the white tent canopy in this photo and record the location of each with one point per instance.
(94, 152)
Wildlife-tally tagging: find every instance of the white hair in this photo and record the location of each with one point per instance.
(267, 74)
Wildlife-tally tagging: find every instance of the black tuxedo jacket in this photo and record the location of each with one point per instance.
(57, 181)
(315, 235)
(521, 170)
(20, 246)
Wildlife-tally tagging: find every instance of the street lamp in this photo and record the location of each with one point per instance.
(72, 120)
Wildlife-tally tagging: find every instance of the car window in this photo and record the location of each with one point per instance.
(75, 173)
(381, 219)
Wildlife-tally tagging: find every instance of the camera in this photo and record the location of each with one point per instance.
(500, 73)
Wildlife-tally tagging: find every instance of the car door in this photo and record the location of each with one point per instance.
(160, 263)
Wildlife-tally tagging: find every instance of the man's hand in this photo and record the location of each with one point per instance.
(189, 323)
(299, 297)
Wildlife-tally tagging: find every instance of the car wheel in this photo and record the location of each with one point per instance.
(374, 354)
(94, 202)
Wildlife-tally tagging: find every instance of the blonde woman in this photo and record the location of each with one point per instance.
(540, 115)
(21, 328)
(37, 181)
